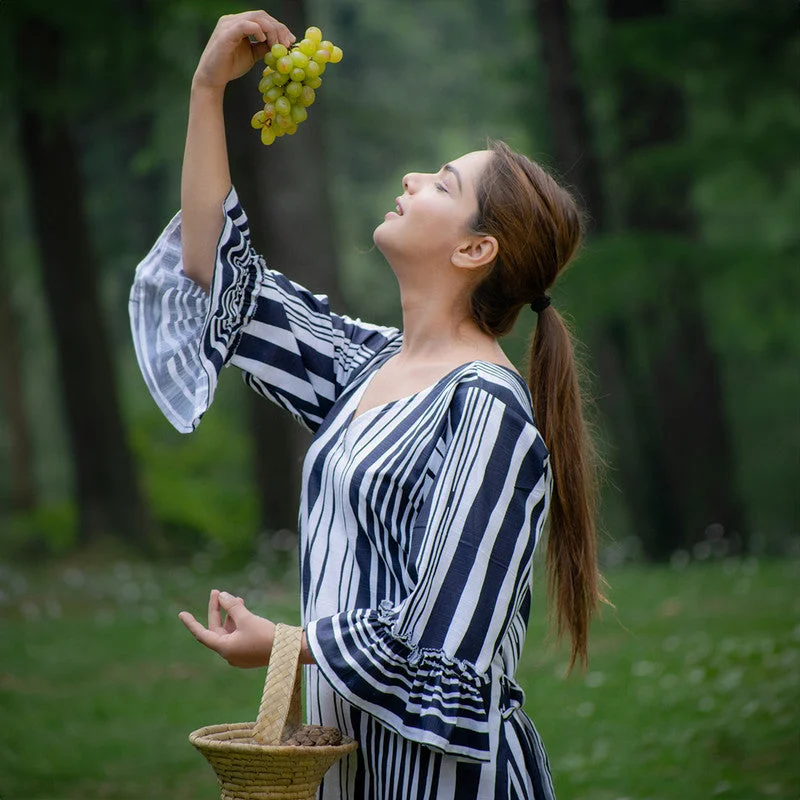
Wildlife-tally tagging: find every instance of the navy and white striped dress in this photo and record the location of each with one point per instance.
(418, 522)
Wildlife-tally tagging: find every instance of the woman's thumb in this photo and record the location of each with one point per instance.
(232, 605)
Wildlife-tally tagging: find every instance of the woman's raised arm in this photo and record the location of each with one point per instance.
(206, 180)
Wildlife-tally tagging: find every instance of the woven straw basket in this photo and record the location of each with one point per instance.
(275, 757)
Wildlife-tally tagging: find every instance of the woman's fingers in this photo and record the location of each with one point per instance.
(234, 607)
(203, 635)
(214, 617)
(276, 32)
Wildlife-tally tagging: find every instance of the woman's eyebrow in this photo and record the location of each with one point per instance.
(451, 168)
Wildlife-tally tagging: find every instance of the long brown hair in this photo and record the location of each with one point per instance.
(538, 228)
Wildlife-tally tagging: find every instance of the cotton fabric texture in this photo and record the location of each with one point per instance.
(418, 522)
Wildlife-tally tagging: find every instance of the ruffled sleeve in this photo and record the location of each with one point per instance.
(425, 665)
(292, 348)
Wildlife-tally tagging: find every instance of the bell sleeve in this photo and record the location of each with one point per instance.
(291, 347)
(424, 665)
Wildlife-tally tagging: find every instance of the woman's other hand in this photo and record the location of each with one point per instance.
(231, 53)
(243, 639)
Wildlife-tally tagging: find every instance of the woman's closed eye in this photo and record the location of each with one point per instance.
(441, 187)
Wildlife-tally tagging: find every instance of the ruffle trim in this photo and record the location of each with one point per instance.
(431, 660)
(239, 275)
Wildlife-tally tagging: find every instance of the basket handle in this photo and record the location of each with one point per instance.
(279, 714)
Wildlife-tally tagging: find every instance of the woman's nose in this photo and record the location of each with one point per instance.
(410, 181)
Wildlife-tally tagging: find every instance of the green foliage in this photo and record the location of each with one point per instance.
(419, 84)
(199, 487)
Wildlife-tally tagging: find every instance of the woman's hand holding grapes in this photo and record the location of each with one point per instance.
(230, 51)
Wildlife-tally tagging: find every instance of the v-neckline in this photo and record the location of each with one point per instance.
(362, 389)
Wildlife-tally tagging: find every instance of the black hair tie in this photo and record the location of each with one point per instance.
(540, 303)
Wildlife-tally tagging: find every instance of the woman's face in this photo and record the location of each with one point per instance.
(432, 215)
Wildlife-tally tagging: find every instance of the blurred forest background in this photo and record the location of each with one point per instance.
(675, 121)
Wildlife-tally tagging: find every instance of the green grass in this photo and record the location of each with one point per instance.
(692, 692)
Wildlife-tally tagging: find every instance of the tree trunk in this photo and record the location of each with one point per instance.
(283, 189)
(689, 425)
(12, 391)
(106, 485)
(666, 410)
(572, 139)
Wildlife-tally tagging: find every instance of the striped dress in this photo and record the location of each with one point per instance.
(418, 522)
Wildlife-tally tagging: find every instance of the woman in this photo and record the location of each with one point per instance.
(429, 478)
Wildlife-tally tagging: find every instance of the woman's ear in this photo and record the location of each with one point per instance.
(478, 251)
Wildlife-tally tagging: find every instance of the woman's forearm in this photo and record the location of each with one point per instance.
(205, 183)
(238, 42)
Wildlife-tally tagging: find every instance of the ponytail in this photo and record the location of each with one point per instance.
(573, 579)
(538, 229)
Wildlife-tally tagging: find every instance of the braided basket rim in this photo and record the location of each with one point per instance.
(204, 739)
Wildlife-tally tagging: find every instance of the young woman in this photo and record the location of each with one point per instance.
(433, 466)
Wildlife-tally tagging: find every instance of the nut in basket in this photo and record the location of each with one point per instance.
(276, 757)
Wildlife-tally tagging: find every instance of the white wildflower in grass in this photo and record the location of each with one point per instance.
(669, 682)
(74, 577)
(707, 703)
(122, 571)
(749, 709)
(30, 610)
(103, 618)
(129, 592)
(642, 669)
(53, 608)
(701, 551)
(696, 675)
(595, 679)
(601, 749)
(671, 643)
(679, 560)
(149, 615)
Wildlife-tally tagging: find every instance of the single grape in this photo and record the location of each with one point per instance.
(322, 56)
(265, 84)
(284, 65)
(325, 45)
(307, 47)
(273, 94)
(336, 55)
(258, 120)
(270, 60)
(299, 114)
(314, 83)
(282, 121)
(314, 69)
(283, 106)
(278, 51)
(291, 129)
(299, 59)
(314, 33)
(267, 136)
(307, 97)
(267, 71)
(293, 89)
(279, 79)
(298, 75)
(269, 113)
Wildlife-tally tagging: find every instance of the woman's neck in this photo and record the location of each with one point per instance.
(438, 326)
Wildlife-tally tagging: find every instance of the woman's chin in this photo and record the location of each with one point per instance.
(379, 236)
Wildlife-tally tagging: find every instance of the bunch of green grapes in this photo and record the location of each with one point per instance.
(290, 81)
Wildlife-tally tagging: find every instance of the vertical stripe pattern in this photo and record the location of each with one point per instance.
(418, 522)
